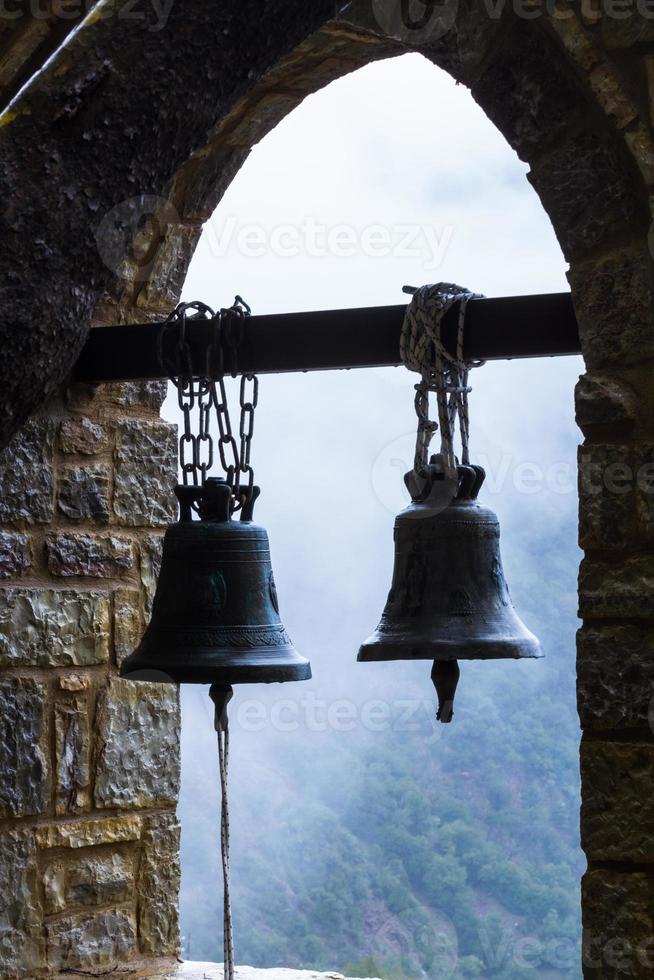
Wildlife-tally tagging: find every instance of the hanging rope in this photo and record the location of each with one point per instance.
(221, 696)
(445, 375)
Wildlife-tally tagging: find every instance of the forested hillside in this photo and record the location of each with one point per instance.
(374, 841)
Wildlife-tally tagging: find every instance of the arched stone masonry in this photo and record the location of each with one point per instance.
(110, 161)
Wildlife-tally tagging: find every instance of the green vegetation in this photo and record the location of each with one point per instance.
(416, 851)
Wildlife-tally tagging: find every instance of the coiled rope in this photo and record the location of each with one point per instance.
(445, 375)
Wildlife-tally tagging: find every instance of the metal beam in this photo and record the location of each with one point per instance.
(496, 329)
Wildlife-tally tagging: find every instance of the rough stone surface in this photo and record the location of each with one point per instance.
(83, 493)
(213, 971)
(630, 27)
(137, 394)
(618, 917)
(615, 673)
(26, 475)
(146, 474)
(571, 179)
(72, 745)
(24, 784)
(83, 437)
(151, 551)
(15, 554)
(625, 591)
(158, 886)
(614, 303)
(81, 942)
(52, 627)
(617, 808)
(89, 881)
(138, 729)
(512, 91)
(166, 279)
(90, 833)
(127, 623)
(605, 401)
(616, 494)
(89, 555)
(21, 942)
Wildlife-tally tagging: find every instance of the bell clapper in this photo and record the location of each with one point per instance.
(221, 695)
(445, 677)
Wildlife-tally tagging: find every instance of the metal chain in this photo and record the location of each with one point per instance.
(200, 396)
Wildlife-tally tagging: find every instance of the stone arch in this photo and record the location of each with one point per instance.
(128, 122)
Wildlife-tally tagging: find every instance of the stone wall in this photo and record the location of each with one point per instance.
(89, 869)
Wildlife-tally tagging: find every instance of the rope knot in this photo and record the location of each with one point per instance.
(446, 375)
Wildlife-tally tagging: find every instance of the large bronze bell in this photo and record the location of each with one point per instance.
(449, 600)
(215, 616)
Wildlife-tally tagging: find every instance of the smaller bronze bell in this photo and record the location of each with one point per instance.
(215, 617)
(449, 600)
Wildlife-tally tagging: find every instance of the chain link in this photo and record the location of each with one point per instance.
(200, 396)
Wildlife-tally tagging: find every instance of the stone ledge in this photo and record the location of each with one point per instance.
(214, 971)
(210, 971)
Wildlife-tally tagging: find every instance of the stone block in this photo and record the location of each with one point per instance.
(128, 628)
(89, 555)
(53, 628)
(605, 401)
(90, 942)
(15, 554)
(199, 185)
(618, 911)
(146, 474)
(72, 743)
(614, 304)
(24, 784)
(611, 95)
(138, 394)
(83, 493)
(164, 285)
(617, 806)
(529, 96)
(617, 591)
(151, 549)
(158, 886)
(26, 475)
(615, 677)
(571, 179)
(22, 950)
(106, 879)
(83, 437)
(616, 495)
(74, 682)
(629, 27)
(90, 833)
(576, 41)
(138, 728)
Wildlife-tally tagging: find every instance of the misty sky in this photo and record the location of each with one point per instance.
(394, 159)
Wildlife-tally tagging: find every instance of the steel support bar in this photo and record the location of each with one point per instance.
(496, 329)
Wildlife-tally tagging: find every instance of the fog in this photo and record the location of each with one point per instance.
(397, 144)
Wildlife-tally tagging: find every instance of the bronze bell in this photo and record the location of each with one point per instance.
(449, 600)
(215, 617)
